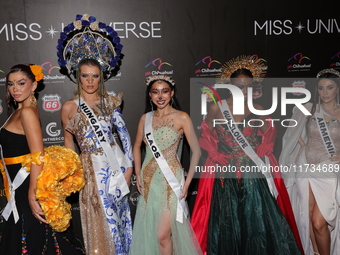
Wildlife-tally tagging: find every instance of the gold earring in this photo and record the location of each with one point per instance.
(33, 100)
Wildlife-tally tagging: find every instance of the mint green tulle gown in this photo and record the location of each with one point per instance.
(158, 201)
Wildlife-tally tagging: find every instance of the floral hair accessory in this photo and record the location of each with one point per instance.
(86, 38)
(37, 72)
(330, 70)
(255, 65)
(152, 78)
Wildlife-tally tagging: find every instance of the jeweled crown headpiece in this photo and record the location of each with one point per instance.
(152, 78)
(330, 70)
(86, 38)
(255, 65)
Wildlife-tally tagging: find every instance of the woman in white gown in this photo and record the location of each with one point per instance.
(313, 146)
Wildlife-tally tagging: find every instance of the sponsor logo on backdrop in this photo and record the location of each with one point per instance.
(134, 198)
(54, 133)
(298, 84)
(1, 108)
(335, 61)
(207, 66)
(51, 129)
(133, 179)
(51, 103)
(158, 66)
(52, 74)
(287, 27)
(34, 31)
(299, 63)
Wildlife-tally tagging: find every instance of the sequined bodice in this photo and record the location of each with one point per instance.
(315, 149)
(167, 139)
(80, 126)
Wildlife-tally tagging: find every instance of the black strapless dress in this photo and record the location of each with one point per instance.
(28, 236)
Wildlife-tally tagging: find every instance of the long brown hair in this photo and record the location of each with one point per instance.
(14, 69)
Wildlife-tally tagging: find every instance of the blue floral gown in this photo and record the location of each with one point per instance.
(106, 220)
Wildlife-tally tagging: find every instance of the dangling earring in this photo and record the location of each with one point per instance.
(319, 104)
(151, 105)
(102, 92)
(172, 101)
(33, 100)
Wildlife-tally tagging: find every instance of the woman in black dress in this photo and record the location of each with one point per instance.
(26, 230)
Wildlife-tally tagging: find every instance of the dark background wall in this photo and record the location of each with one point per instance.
(182, 38)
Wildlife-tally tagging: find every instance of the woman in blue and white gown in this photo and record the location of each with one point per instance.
(105, 215)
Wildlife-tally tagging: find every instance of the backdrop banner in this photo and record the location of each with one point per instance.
(183, 39)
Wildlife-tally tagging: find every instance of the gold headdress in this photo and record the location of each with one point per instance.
(255, 65)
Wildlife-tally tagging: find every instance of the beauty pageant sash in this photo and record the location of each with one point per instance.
(243, 143)
(323, 129)
(18, 180)
(166, 170)
(117, 180)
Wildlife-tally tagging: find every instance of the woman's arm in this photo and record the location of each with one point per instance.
(31, 125)
(302, 145)
(191, 137)
(137, 152)
(65, 118)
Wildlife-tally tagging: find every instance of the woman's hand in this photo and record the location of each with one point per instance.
(185, 191)
(35, 208)
(139, 184)
(127, 176)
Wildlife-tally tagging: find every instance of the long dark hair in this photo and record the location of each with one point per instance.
(329, 76)
(148, 101)
(14, 69)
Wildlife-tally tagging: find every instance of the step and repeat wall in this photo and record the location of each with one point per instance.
(183, 39)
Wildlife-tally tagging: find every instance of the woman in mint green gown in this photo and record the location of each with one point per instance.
(161, 227)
